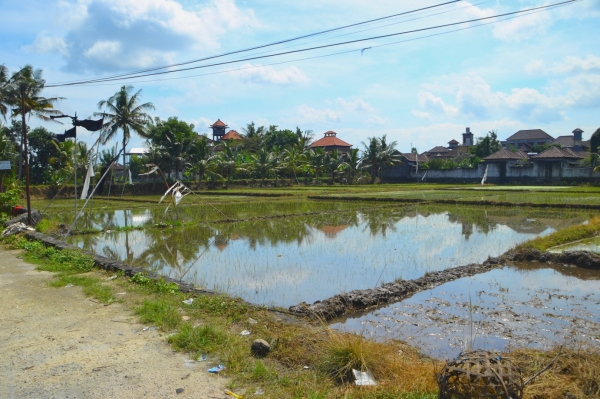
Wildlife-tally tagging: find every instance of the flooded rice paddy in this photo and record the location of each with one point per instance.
(516, 306)
(285, 251)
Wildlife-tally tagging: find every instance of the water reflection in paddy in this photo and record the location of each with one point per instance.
(284, 261)
(518, 306)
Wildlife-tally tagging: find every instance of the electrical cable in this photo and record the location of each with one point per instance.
(326, 46)
(274, 43)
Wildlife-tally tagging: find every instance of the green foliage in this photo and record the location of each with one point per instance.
(55, 260)
(486, 145)
(595, 141)
(43, 149)
(198, 340)
(91, 286)
(279, 138)
(161, 312)
(221, 305)
(158, 285)
(564, 236)
(544, 147)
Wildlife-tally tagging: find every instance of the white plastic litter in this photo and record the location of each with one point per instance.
(252, 321)
(189, 301)
(245, 332)
(363, 378)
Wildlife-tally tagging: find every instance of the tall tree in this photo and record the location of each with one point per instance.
(42, 148)
(486, 145)
(352, 163)
(123, 111)
(4, 91)
(24, 97)
(175, 138)
(379, 154)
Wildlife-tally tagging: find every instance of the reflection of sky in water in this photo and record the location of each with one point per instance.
(509, 306)
(324, 263)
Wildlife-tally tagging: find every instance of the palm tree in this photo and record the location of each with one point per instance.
(263, 162)
(317, 159)
(123, 111)
(228, 163)
(378, 154)
(333, 163)
(4, 86)
(23, 94)
(293, 158)
(352, 163)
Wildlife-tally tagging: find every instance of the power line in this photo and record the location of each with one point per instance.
(264, 45)
(320, 47)
(321, 56)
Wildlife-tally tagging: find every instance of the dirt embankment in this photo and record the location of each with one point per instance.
(358, 300)
(55, 343)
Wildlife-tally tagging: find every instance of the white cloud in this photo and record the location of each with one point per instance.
(356, 105)
(47, 44)
(520, 28)
(102, 49)
(568, 65)
(436, 105)
(312, 115)
(270, 75)
(376, 120)
(148, 32)
(475, 98)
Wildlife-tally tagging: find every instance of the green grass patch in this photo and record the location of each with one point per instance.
(564, 236)
(199, 340)
(162, 312)
(92, 286)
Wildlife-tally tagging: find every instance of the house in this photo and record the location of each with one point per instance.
(525, 139)
(552, 162)
(330, 142)
(573, 142)
(501, 162)
(232, 135)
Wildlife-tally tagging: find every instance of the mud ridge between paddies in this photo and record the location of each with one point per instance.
(359, 300)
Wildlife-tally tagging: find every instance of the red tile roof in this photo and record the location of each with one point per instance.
(232, 135)
(218, 123)
(330, 140)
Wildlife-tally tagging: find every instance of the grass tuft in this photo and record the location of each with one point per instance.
(198, 340)
(160, 312)
(564, 236)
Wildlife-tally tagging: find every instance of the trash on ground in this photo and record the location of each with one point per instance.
(179, 390)
(305, 367)
(189, 301)
(245, 332)
(203, 358)
(363, 378)
(216, 369)
(235, 395)
(185, 318)
(252, 321)
(120, 293)
(145, 328)
(14, 229)
(259, 391)
(112, 277)
(69, 285)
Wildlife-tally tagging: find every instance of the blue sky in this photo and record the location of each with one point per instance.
(538, 71)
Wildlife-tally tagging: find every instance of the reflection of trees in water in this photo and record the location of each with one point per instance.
(178, 248)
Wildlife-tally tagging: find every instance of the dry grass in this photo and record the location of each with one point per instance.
(394, 365)
(574, 374)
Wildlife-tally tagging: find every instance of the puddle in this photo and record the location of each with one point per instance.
(515, 306)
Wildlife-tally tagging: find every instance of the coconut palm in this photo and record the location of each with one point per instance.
(351, 164)
(4, 86)
(228, 163)
(123, 111)
(379, 154)
(333, 163)
(293, 158)
(263, 162)
(316, 159)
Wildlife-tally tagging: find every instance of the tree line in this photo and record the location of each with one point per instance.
(262, 153)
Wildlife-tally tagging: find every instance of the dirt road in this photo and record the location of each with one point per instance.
(55, 343)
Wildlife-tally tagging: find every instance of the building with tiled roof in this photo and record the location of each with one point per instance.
(573, 142)
(555, 153)
(232, 135)
(505, 155)
(331, 142)
(529, 137)
(218, 129)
